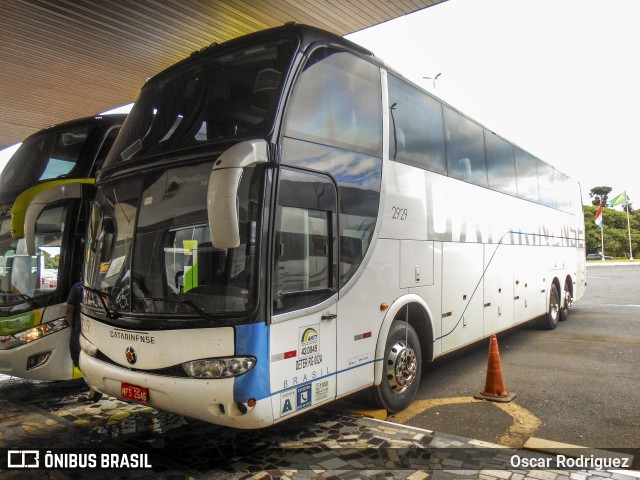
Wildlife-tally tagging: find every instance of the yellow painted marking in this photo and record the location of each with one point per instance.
(524, 424)
(377, 413)
(420, 406)
(76, 373)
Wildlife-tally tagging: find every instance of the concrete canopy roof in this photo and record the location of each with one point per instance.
(63, 59)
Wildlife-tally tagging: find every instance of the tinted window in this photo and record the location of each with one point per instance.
(416, 133)
(230, 95)
(305, 247)
(501, 166)
(527, 175)
(465, 148)
(337, 101)
(174, 259)
(22, 274)
(359, 177)
(47, 155)
(65, 152)
(564, 190)
(546, 185)
(105, 147)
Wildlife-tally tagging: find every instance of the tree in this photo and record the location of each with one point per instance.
(616, 236)
(600, 195)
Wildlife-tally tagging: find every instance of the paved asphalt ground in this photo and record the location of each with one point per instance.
(581, 380)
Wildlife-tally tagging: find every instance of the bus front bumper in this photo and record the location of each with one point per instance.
(47, 358)
(210, 400)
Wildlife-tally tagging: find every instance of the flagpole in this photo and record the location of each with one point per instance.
(602, 239)
(600, 223)
(629, 230)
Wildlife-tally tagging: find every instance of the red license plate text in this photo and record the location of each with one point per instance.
(134, 393)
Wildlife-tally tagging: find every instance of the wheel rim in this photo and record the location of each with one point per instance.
(567, 300)
(402, 367)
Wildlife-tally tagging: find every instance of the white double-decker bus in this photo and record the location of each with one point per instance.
(284, 220)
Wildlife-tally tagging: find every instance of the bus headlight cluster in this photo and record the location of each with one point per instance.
(219, 367)
(8, 342)
(87, 347)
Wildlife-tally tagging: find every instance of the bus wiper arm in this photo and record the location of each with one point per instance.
(111, 314)
(27, 299)
(189, 303)
(32, 303)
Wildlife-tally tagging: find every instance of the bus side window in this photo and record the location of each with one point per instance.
(465, 148)
(527, 175)
(337, 102)
(305, 270)
(109, 139)
(416, 127)
(546, 184)
(501, 166)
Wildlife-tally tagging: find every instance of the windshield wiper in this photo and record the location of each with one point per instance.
(28, 299)
(189, 303)
(111, 314)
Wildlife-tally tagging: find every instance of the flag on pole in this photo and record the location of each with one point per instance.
(619, 200)
(598, 218)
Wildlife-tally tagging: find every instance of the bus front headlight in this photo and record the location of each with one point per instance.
(219, 367)
(8, 342)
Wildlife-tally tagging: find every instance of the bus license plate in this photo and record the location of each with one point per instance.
(134, 393)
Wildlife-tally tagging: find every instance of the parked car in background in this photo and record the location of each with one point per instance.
(598, 256)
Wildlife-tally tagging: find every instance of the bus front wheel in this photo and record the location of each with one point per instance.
(402, 368)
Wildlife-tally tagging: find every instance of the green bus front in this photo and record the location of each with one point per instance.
(34, 285)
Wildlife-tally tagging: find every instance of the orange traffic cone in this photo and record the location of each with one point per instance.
(494, 388)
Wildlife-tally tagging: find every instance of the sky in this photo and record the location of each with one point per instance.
(560, 78)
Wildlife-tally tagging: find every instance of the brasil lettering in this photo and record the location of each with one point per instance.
(309, 376)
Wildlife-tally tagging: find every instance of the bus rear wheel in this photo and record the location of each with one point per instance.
(550, 320)
(566, 304)
(402, 369)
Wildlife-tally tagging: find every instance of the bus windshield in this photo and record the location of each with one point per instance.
(229, 96)
(25, 279)
(174, 268)
(53, 153)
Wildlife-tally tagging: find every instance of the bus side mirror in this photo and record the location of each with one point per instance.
(222, 193)
(31, 202)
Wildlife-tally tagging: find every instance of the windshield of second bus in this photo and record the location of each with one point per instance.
(48, 155)
(25, 279)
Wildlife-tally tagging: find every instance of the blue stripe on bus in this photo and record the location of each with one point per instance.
(324, 376)
(253, 339)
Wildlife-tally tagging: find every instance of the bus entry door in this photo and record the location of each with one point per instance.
(304, 293)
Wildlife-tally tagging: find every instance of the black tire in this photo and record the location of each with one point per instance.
(550, 320)
(566, 302)
(402, 369)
